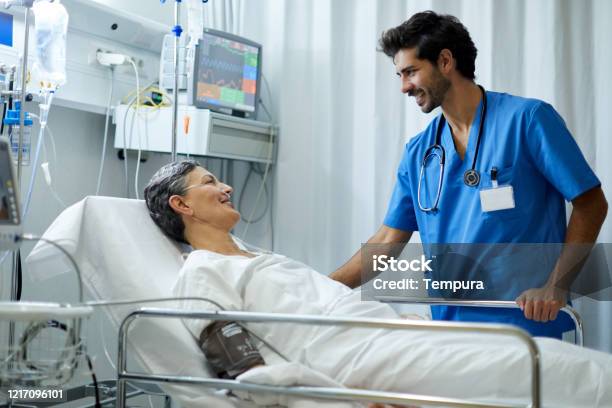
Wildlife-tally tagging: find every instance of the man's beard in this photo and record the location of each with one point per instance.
(437, 90)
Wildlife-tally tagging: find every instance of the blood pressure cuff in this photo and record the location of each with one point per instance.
(229, 349)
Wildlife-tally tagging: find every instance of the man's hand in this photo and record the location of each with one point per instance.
(542, 304)
(350, 273)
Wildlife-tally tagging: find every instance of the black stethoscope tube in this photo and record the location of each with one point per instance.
(471, 177)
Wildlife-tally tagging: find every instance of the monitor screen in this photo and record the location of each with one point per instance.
(226, 74)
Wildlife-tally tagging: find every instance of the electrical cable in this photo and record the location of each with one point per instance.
(270, 203)
(265, 109)
(127, 181)
(263, 181)
(4, 108)
(104, 143)
(19, 275)
(272, 216)
(94, 379)
(137, 172)
(269, 159)
(267, 85)
(261, 173)
(125, 141)
(243, 193)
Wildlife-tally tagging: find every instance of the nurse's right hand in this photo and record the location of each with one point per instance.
(542, 304)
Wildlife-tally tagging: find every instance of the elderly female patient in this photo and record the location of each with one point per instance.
(190, 205)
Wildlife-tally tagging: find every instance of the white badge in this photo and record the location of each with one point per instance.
(495, 199)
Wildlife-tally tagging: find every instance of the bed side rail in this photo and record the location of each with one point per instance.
(346, 394)
(573, 314)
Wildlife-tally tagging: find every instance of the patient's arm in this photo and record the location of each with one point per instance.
(350, 272)
(229, 349)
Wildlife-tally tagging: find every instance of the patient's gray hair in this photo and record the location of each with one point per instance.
(168, 181)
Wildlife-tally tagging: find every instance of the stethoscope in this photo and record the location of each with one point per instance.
(471, 177)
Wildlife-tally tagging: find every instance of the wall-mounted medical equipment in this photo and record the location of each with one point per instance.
(225, 75)
(10, 218)
(217, 120)
(202, 133)
(12, 121)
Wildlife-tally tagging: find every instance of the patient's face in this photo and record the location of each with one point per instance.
(210, 199)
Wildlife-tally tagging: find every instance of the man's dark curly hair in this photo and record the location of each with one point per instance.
(430, 33)
(168, 181)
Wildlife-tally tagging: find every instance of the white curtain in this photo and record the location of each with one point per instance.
(224, 15)
(343, 121)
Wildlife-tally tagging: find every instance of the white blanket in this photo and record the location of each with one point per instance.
(480, 367)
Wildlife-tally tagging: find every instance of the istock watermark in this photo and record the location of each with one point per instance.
(485, 271)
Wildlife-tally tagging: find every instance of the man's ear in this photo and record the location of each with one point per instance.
(178, 204)
(446, 61)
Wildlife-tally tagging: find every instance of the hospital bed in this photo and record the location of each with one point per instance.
(123, 255)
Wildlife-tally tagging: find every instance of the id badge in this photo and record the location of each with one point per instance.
(495, 199)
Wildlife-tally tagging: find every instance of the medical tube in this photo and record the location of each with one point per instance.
(105, 140)
(44, 112)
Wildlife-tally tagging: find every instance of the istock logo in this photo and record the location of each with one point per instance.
(382, 263)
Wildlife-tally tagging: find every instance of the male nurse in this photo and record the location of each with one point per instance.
(509, 165)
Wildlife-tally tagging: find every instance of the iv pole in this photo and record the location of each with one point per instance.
(177, 30)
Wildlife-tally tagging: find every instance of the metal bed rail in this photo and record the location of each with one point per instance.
(346, 394)
(570, 311)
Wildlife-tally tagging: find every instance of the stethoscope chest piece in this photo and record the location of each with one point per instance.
(471, 178)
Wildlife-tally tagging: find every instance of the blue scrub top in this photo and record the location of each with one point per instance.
(529, 144)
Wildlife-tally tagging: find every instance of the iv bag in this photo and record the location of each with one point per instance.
(50, 28)
(195, 28)
(195, 21)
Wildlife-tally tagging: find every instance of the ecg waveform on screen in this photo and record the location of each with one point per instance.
(221, 73)
(208, 76)
(222, 65)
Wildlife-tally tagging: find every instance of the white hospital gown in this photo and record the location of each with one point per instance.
(483, 367)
